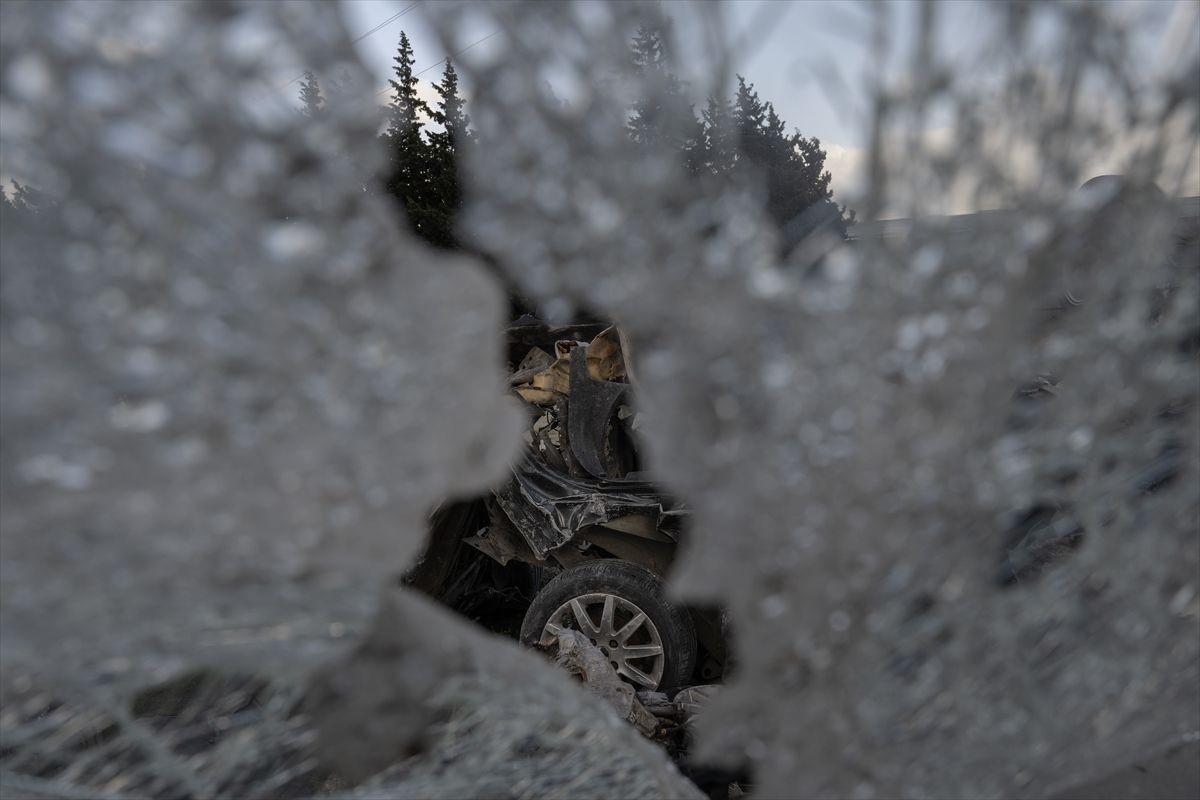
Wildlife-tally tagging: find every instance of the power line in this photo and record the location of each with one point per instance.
(443, 61)
(459, 53)
(378, 27)
(385, 23)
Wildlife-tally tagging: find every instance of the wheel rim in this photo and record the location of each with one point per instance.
(622, 631)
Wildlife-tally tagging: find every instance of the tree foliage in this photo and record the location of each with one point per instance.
(310, 96)
(444, 151)
(741, 138)
(410, 178)
(664, 115)
(790, 165)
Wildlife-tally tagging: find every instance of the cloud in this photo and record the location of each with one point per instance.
(845, 165)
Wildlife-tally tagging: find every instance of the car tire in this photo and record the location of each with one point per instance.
(614, 625)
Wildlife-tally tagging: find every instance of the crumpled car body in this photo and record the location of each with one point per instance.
(576, 494)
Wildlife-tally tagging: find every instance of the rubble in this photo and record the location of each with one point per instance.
(478, 725)
(581, 658)
(578, 483)
(670, 722)
(579, 470)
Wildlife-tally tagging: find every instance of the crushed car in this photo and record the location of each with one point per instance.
(578, 538)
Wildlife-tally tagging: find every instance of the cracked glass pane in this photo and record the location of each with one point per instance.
(932, 433)
(214, 320)
(875, 484)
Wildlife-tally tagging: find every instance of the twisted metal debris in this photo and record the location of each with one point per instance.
(212, 421)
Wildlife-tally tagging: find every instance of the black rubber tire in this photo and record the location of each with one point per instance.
(639, 586)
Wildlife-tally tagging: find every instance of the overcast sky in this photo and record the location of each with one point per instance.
(779, 44)
(784, 47)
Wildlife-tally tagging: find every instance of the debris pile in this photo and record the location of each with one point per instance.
(658, 716)
(668, 720)
(582, 368)
(584, 660)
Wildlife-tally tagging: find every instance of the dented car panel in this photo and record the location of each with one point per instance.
(577, 496)
(578, 477)
(550, 508)
(577, 491)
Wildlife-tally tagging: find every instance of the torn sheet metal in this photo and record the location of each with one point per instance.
(549, 507)
(592, 405)
(579, 450)
(499, 539)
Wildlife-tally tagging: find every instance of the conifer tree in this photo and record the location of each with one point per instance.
(406, 105)
(451, 111)
(719, 136)
(664, 116)
(749, 119)
(742, 139)
(310, 96)
(445, 149)
(408, 178)
(791, 166)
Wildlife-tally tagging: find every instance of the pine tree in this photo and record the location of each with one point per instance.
(408, 178)
(406, 106)
(719, 141)
(446, 148)
(310, 96)
(664, 116)
(741, 139)
(451, 113)
(791, 166)
(750, 122)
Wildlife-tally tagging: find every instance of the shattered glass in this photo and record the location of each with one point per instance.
(942, 476)
(194, 363)
(841, 424)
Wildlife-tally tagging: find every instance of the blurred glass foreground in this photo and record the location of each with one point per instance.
(943, 471)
